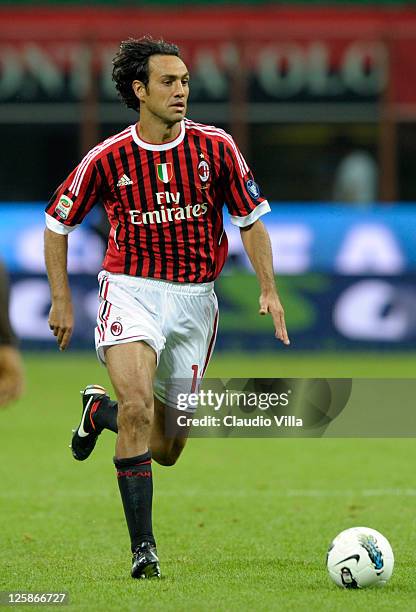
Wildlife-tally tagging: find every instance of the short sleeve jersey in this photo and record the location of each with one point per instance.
(164, 201)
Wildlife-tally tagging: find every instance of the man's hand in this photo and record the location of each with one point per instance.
(61, 322)
(257, 244)
(11, 375)
(270, 303)
(61, 318)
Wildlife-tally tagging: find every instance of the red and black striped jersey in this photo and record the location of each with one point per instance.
(164, 201)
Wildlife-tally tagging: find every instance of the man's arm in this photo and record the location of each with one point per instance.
(11, 367)
(61, 319)
(257, 245)
(11, 374)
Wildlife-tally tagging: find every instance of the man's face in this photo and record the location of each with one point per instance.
(167, 92)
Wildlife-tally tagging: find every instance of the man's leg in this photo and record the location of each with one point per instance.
(131, 368)
(165, 450)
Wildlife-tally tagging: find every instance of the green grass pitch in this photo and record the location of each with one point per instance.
(241, 524)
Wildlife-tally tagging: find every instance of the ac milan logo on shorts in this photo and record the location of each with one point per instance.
(116, 328)
(203, 170)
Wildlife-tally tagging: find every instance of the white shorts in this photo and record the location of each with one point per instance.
(178, 320)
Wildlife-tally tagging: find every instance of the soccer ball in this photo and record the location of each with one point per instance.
(360, 557)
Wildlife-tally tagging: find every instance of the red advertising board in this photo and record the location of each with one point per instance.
(289, 55)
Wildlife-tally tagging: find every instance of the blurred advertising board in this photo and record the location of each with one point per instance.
(288, 54)
(347, 278)
(306, 238)
(323, 312)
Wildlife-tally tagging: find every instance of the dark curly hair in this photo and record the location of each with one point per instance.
(132, 62)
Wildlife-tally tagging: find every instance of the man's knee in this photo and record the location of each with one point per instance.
(165, 459)
(135, 410)
(137, 394)
(168, 454)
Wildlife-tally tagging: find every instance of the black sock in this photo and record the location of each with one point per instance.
(135, 482)
(105, 417)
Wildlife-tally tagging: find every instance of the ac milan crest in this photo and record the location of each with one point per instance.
(116, 328)
(203, 170)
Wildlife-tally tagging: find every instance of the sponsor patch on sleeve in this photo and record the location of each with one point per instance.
(253, 189)
(64, 206)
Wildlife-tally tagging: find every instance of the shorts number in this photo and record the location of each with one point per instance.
(194, 378)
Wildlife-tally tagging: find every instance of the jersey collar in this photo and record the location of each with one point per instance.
(158, 147)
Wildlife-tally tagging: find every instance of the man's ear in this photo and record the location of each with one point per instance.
(139, 89)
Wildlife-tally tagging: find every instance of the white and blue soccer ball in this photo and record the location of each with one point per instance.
(360, 557)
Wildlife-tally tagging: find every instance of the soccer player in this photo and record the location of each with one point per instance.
(163, 181)
(11, 369)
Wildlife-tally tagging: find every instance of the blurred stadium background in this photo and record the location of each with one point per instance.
(321, 99)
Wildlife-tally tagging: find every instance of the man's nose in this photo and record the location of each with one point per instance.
(179, 90)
